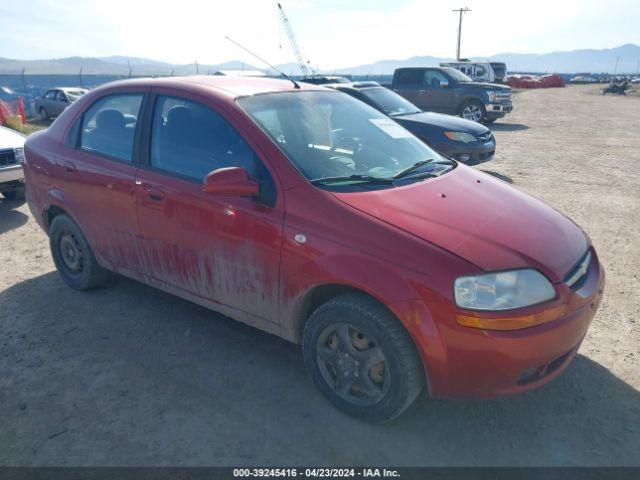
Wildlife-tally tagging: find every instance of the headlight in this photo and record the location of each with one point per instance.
(460, 137)
(503, 290)
(19, 154)
(492, 96)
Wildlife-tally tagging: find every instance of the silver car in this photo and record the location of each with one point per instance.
(11, 157)
(54, 101)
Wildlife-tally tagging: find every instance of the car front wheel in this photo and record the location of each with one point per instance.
(361, 358)
(44, 116)
(473, 110)
(15, 194)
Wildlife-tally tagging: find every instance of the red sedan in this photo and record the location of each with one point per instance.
(306, 213)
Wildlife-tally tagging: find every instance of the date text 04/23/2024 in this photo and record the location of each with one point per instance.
(316, 473)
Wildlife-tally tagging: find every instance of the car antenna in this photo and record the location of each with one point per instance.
(295, 84)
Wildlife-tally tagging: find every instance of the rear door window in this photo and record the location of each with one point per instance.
(409, 77)
(109, 125)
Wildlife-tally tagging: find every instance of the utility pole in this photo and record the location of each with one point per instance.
(460, 12)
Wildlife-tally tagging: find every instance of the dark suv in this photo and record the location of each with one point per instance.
(447, 90)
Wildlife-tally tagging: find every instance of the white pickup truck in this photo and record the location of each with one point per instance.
(11, 157)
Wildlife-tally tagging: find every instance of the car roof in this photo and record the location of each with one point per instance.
(233, 86)
(356, 86)
(323, 79)
(420, 68)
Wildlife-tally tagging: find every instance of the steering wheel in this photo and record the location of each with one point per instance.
(348, 143)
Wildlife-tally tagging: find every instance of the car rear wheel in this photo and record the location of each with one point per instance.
(15, 194)
(473, 110)
(73, 257)
(361, 358)
(44, 115)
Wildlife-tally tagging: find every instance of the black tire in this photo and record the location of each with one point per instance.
(44, 115)
(476, 108)
(79, 270)
(15, 194)
(401, 376)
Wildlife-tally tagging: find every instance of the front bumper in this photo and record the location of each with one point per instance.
(463, 362)
(498, 110)
(12, 173)
(469, 154)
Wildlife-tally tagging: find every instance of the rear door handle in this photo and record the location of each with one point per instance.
(69, 166)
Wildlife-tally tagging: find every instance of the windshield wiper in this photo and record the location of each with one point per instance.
(356, 177)
(411, 169)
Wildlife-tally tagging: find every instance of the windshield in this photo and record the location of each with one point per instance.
(499, 69)
(457, 75)
(330, 135)
(74, 94)
(389, 102)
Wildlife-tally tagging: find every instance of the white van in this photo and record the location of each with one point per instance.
(490, 72)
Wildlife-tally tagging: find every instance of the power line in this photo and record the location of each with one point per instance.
(460, 12)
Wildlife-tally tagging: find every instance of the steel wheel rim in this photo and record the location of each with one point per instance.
(71, 253)
(472, 112)
(353, 365)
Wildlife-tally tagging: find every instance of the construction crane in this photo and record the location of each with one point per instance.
(294, 44)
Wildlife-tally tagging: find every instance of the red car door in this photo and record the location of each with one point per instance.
(97, 175)
(223, 249)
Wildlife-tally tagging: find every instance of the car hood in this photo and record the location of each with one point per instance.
(488, 86)
(481, 219)
(10, 138)
(445, 122)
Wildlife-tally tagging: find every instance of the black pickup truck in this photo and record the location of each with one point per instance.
(447, 90)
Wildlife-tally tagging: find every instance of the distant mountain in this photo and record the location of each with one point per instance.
(595, 61)
(114, 65)
(388, 66)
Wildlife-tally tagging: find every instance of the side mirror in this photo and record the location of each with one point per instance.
(230, 182)
(444, 84)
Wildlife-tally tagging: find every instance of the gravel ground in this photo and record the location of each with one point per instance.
(127, 375)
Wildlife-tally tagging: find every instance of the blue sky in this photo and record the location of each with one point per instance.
(332, 33)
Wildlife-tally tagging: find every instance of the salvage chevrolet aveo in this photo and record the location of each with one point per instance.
(306, 213)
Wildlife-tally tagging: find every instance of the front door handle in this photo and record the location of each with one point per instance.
(42, 168)
(69, 166)
(153, 192)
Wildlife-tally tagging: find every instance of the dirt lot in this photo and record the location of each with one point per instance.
(128, 375)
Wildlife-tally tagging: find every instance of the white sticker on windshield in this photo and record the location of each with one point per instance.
(390, 127)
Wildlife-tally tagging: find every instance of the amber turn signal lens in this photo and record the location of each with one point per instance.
(512, 323)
